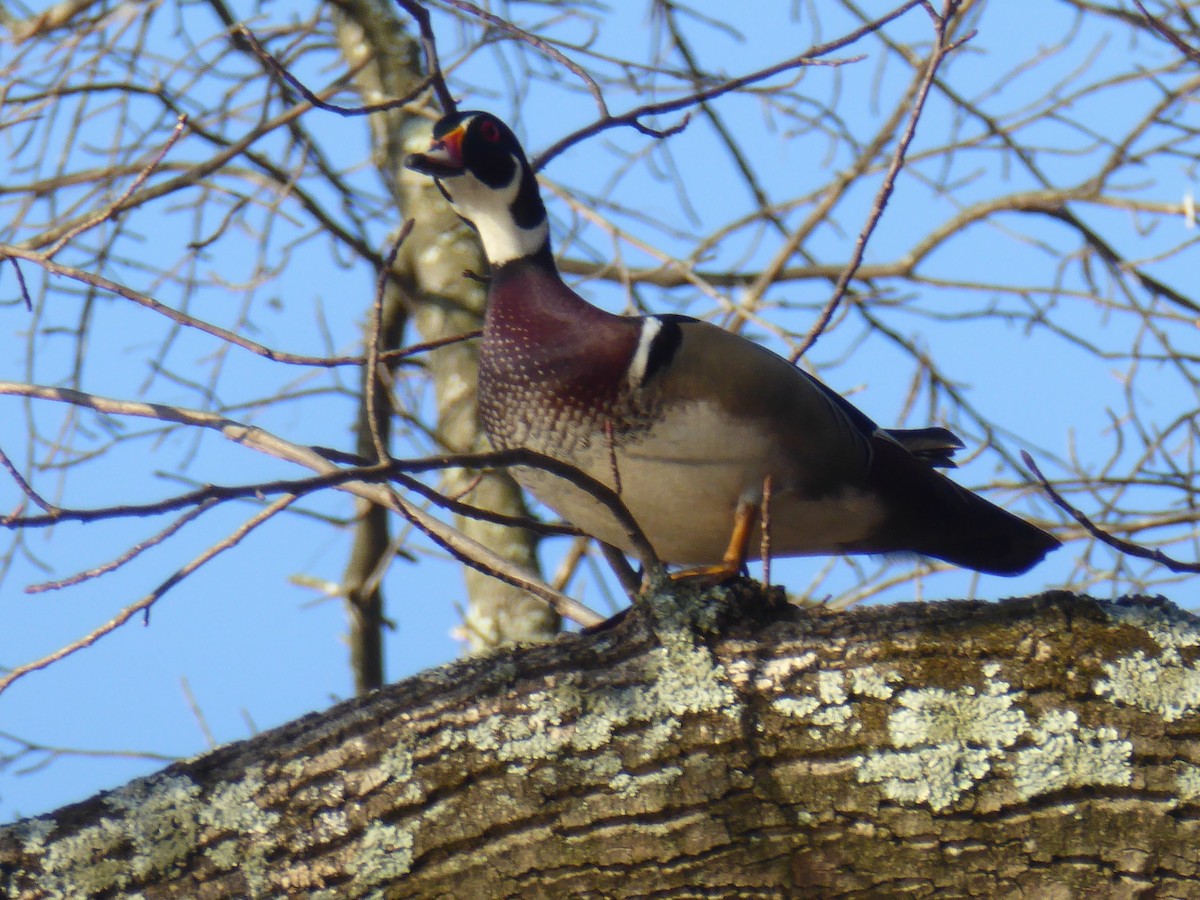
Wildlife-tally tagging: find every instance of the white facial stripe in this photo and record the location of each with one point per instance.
(641, 356)
(490, 211)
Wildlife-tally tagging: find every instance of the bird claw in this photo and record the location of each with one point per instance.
(718, 574)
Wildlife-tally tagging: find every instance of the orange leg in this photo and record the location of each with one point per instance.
(734, 559)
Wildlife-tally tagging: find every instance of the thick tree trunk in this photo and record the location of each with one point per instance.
(710, 743)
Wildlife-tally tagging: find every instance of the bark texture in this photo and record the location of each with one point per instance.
(443, 303)
(711, 743)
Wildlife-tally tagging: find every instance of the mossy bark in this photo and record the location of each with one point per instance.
(710, 743)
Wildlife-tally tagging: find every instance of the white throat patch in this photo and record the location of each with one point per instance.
(490, 211)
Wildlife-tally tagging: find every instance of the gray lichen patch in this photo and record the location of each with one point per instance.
(383, 854)
(869, 681)
(1187, 781)
(936, 776)
(1165, 686)
(831, 708)
(1166, 624)
(796, 707)
(951, 740)
(775, 673)
(1065, 754)
(153, 825)
(825, 719)
(831, 687)
(153, 828)
(397, 765)
(569, 721)
(231, 809)
(629, 786)
(564, 720)
(989, 718)
(33, 834)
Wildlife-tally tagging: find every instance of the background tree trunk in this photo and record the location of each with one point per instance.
(711, 741)
(442, 304)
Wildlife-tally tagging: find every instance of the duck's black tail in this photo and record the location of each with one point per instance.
(933, 516)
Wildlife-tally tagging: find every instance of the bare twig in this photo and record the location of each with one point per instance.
(28, 491)
(181, 318)
(197, 712)
(811, 57)
(21, 283)
(641, 547)
(364, 110)
(616, 560)
(50, 753)
(134, 551)
(412, 349)
(189, 177)
(143, 605)
(633, 117)
(432, 62)
(112, 208)
(1170, 34)
(532, 40)
(1099, 533)
(371, 381)
(473, 554)
(362, 470)
(456, 506)
(941, 50)
(464, 548)
(569, 564)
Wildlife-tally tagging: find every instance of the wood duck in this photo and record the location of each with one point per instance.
(685, 421)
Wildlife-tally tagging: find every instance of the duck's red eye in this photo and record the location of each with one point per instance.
(490, 131)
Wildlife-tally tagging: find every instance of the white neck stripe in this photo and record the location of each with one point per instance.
(490, 211)
(651, 326)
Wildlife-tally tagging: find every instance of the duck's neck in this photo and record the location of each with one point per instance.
(511, 220)
(540, 261)
(528, 294)
(506, 242)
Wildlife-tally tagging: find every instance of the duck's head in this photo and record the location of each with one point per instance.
(482, 171)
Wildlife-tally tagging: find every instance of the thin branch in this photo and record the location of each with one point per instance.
(111, 210)
(532, 40)
(365, 110)
(1100, 534)
(25, 487)
(463, 547)
(21, 283)
(371, 381)
(467, 551)
(642, 548)
(134, 551)
(188, 178)
(942, 49)
(1170, 34)
(181, 318)
(459, 508)
(413, 349)
(143, 605)
(432, 60)
(51, 753)
(632, 117)
(810, 57)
